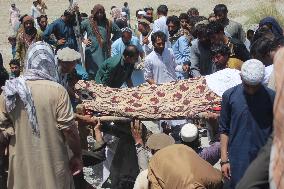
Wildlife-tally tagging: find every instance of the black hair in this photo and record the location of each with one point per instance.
(22, 18)
(214, 28)
(173, 19)
(200, 30)
(121, 23)
(137, 12)
(131, 51)
(250, 31)
(262, 32)
(3, 76)
(195, 19)
(68, 13)
(220, 8)
(83, 15)
(184, 16)
(125, 4)
(262, 47)
(40, 17)
(112, 7)
(220, 49)
(14, 62)
(280, 41)
(148, 8)
(158, 34)
(195, 145)
(1, 60)
(192, 10)
(162, 9)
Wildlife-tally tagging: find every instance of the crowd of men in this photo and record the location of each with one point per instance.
(44, 129)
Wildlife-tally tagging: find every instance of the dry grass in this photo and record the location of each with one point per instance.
(262, 11)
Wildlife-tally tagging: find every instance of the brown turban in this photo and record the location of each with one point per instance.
(97, 8)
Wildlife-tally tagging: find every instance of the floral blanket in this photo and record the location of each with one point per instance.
(175, 100)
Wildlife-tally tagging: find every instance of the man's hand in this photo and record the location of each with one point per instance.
(185, 68)
(61, 41)
(226, 170)
(87, 42)
(76, 165)
(136, 130)
(98, 125)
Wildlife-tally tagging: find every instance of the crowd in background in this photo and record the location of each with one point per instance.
(41, 114)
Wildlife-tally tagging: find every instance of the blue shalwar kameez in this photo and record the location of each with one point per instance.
(247, 120)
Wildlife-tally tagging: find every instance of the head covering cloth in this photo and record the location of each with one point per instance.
(108, 25)
(40, 65)
(126, 29)
(159, 141)
(116, 13)
(276, 28)
(178, 166)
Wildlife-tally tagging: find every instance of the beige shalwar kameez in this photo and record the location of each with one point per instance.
(40, 163)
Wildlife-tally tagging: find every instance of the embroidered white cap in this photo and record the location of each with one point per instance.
(189, 132)
(252, 72)
(68, 55)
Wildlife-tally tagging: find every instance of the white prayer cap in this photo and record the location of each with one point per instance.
(252, 72)
(141, 13)
(123, 14)
(68, 55)
(189, 132)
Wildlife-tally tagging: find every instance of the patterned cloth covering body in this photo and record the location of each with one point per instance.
(174, 100)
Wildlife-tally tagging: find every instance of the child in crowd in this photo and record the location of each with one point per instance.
(15, 68)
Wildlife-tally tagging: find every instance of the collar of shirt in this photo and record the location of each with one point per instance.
(122, 61)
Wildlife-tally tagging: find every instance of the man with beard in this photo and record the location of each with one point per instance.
(200, 57)
(25, 38)
(233, 28)
(62, 28)
(186, 25)
(149, 14)
(42, 22)
(118, 69)
(180, 45)
(160, 66)
(99, 30)
(126, 39)
(145, 37)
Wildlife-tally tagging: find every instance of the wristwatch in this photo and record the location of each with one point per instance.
(224, 162)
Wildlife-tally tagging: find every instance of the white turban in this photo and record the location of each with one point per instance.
(68, 55)
(141, 13)
(252, 72)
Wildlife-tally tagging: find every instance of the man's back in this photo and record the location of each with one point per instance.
(235, 30)
(41, 162)
(114, 72)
